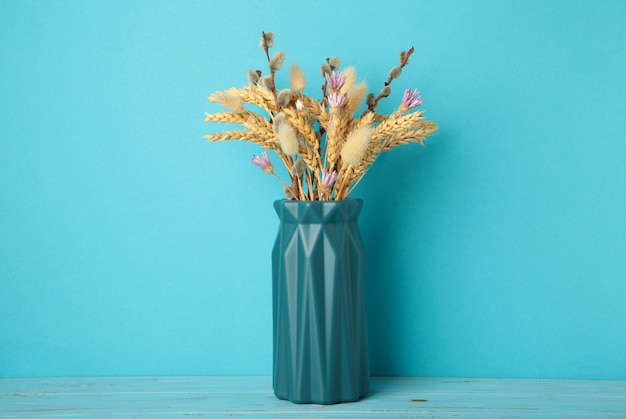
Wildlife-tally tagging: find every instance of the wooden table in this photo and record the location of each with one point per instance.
(252, 397)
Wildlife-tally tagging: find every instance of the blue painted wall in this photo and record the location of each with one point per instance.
(128, 245)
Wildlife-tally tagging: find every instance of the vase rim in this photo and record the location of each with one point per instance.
(317, 202)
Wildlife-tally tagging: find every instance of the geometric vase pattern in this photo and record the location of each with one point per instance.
(320, 350)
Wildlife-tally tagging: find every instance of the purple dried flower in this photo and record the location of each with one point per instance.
(336, 100)
(335, 81)
(328, 178)
(411, 99)
(263, 163)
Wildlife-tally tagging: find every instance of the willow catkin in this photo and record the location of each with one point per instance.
(283, 97)
(277, 61)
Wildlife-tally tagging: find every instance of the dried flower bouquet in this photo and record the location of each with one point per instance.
(325, 146)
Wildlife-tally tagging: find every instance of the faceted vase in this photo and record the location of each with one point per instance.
(318, 266)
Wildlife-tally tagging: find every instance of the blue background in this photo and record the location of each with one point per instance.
(130, 246)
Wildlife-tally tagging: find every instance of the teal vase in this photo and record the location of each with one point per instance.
(320, 334)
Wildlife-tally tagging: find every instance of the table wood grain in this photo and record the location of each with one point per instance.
(252, 397)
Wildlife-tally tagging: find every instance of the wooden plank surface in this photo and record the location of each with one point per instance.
(252, 397)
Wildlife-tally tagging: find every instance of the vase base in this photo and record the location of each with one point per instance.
(323, 401)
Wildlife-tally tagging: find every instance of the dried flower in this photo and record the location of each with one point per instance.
(267, 40)
(297, 78)
(233, 103)
(335, 81)
(288, 139)
(328, 178)
(263, 163)
(356, 143)
(336, 100)
(277, 61)
(337, 147)
(410, 100)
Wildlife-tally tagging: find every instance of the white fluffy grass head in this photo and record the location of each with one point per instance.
(355, 96)
(288, 139)
(350, 73)
(297, 78)
(232, 103)
(356, 144)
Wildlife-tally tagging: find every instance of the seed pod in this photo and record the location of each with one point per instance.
(385, 91)
(326, 70)
(333, 63)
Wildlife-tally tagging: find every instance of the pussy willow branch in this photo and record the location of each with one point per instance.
(267, 54)
(403, 63)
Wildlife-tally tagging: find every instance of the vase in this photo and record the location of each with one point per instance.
(320, 350)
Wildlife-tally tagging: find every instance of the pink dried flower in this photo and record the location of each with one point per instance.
(335, 81)
(263, 163)
(336, 100)
(411, 99)
(328, 178)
